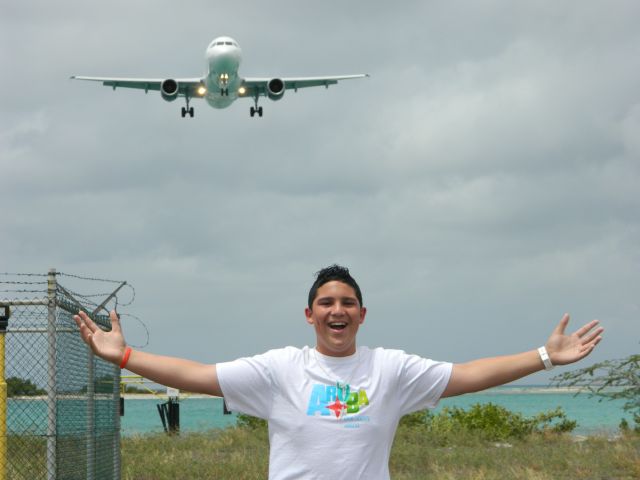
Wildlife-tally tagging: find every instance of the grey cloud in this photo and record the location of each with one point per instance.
(482, 180)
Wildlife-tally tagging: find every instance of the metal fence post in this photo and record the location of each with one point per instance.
(4, 322)
(51, 368)
(91, 418)
(116, 443)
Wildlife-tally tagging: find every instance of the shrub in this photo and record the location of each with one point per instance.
(251, 423)
(18, 387)
(487, 421)
(625, 428)
(543, 422)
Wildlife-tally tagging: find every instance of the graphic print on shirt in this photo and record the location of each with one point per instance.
(338, 401)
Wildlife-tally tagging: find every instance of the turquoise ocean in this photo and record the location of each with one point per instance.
(593, 416)
(199, 414)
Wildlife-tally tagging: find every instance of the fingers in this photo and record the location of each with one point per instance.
(595, 335)
(87, 328)
(562, 326)
(581, 332)
(83, 319)
(587, 348)
(595, 342)
(85, 331)
(115, 321)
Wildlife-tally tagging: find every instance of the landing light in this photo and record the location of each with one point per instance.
(202, 90)
(242, 90)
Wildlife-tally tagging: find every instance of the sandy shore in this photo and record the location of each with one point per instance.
(144, 396)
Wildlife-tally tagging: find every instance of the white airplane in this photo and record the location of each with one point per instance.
(221, 85)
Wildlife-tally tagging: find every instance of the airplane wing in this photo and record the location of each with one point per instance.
(258, 86)
(186, 86)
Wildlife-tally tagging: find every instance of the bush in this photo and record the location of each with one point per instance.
(543, 422)
(484, 421)
(626, 428)
(251, 423)
(487, 421)
(137, 390)
(18, 387)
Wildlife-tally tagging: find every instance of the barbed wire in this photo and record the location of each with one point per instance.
(9, 285)
(21, 291)
(73, 298)
(82, 300)
(94, 279)
(133, 295)
(24, 274)
(143, 326)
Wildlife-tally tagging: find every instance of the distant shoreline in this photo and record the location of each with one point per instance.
(148, 396)
(502, 390)
(516, 389)
(102, 396)
(492, 391)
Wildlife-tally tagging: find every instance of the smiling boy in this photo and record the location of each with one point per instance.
(333, 409)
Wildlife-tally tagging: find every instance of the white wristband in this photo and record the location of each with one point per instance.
(544, 356)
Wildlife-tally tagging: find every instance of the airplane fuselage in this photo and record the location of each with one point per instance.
(223, 57)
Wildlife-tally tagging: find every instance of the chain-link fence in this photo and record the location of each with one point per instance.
(60, 405)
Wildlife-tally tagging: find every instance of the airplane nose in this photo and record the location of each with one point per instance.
(227, 59)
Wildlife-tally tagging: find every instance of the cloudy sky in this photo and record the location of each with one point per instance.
(482, 181)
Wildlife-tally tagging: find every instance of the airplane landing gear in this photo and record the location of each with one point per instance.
(186, 110)
(256, 109)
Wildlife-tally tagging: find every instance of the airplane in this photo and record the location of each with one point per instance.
(221, 85)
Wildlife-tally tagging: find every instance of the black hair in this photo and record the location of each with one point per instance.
(333, 273)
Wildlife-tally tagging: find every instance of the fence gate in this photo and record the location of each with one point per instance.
(59, 404)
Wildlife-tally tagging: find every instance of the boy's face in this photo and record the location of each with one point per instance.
(336, 316)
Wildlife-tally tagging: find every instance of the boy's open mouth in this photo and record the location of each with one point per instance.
(337, 325)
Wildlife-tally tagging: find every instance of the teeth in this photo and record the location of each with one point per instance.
(338, 324)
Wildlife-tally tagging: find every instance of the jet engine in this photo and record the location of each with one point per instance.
(275, 89)
(169, 90)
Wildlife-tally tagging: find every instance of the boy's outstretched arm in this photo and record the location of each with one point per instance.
(490, 372)
(169, 371)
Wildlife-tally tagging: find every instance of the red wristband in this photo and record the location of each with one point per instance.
(125, 358)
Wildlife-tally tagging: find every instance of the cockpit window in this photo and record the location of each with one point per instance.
(213, 44)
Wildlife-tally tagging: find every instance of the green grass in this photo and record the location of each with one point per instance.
(241, 453)
(482, 443)
(538, 456)
(233, 453)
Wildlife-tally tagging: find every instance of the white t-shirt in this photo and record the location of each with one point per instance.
(331, 417)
